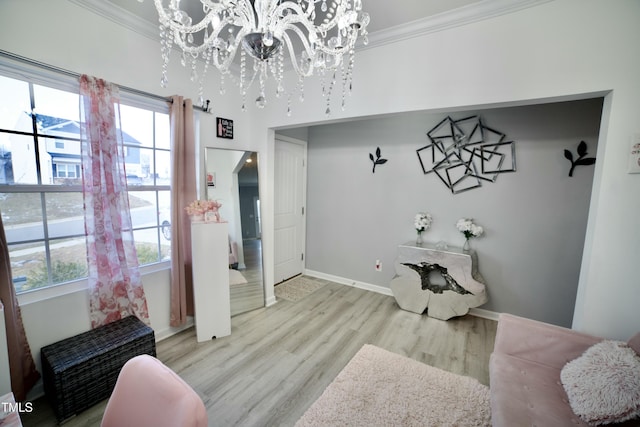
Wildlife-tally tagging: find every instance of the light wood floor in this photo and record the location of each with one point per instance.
(279, 359)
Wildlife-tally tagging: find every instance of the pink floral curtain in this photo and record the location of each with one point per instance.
(115, 288)
(22, 368)
(183, 192)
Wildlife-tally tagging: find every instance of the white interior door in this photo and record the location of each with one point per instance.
(289, 184)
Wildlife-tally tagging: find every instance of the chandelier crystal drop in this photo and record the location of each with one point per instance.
(318, 37)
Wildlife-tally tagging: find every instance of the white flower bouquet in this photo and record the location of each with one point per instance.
(422, 221)
(467, 227)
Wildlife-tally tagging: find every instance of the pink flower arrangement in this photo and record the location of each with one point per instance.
(201, 207)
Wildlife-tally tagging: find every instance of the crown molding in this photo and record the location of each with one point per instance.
(474, 12)
(120, 16)
(465, 15)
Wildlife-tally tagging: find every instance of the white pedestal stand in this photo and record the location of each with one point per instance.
(210, 254)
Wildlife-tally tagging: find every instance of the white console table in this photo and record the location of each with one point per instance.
(445, 283)
(210, 255)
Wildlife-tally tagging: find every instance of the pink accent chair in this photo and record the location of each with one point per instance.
(149, 394)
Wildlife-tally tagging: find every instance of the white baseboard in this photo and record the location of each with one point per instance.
(270, 301)
(485, 314)
(36, 392)
(167, 332)
(349, 282)
(477, 312)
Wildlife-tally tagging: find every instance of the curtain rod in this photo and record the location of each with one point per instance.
(73, 74)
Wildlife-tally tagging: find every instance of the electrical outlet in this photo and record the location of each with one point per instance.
(378, 265)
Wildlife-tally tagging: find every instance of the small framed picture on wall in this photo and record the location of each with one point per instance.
(224, 128)
(211, 179)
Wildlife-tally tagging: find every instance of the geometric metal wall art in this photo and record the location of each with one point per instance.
(464, 153)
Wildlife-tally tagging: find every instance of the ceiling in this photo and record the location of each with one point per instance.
(383, 14)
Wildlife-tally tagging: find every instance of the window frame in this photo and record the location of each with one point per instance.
(37, 76)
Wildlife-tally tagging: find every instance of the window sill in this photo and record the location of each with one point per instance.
(38, 295)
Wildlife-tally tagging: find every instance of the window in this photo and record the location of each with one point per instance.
(41, 182)
(65, 170)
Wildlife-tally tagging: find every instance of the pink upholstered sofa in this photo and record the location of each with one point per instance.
(525, 373)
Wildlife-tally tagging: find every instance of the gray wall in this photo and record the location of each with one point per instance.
(534, 218)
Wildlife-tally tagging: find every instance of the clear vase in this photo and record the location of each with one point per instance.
(467, 246)
(419, 239)
(197, 217)
(212, 216)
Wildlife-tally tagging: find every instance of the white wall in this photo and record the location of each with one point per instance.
(534, 219)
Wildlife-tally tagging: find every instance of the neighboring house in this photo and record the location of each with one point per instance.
(6, 170)
(60, 160)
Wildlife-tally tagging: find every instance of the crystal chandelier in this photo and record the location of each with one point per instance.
(319, 37)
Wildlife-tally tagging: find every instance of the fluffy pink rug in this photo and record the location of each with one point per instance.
(378, 387)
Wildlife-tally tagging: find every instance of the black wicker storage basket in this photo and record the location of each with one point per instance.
(80, 371)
